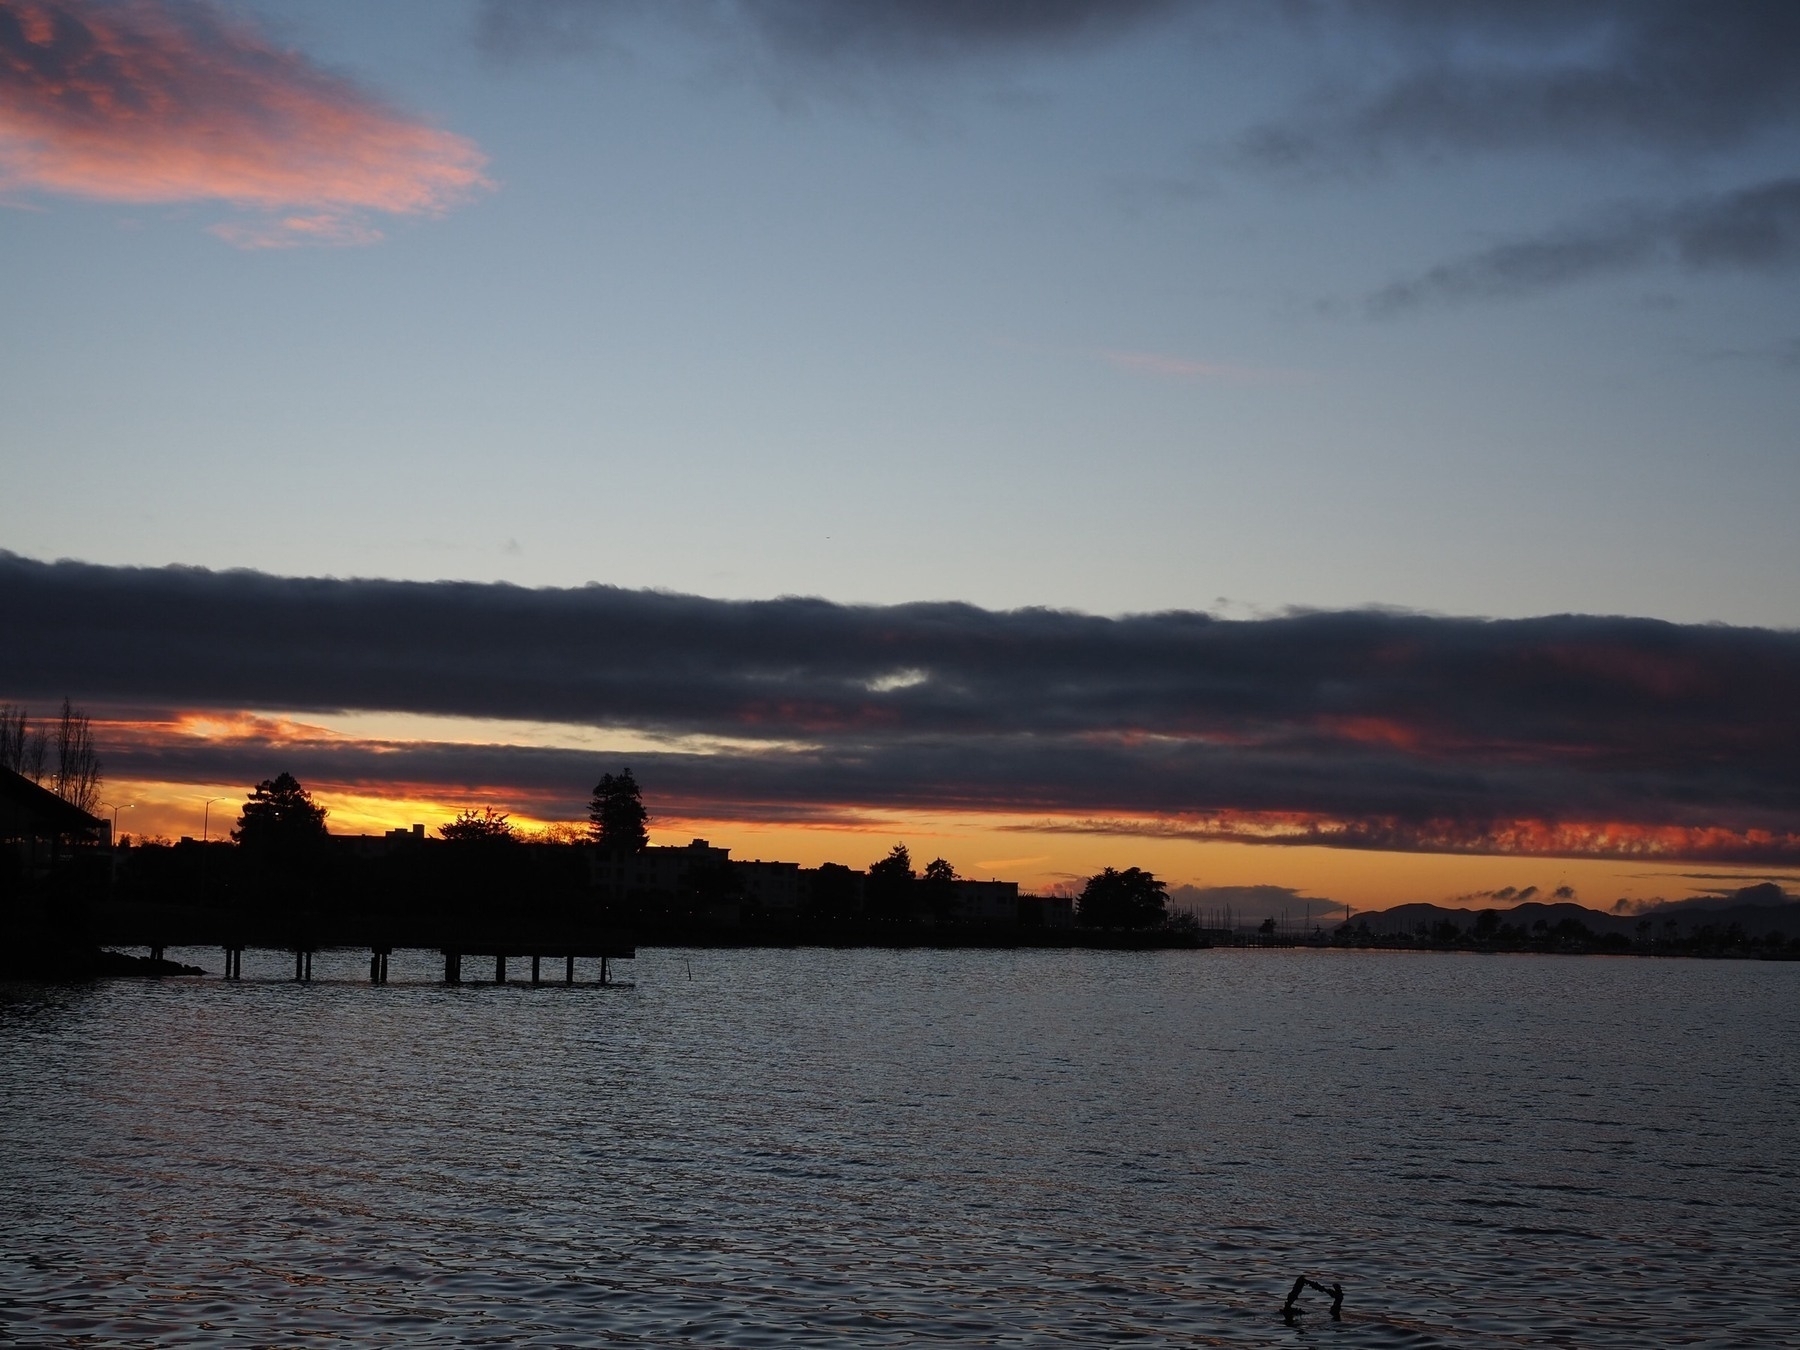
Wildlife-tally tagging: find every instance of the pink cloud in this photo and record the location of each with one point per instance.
(154, 101)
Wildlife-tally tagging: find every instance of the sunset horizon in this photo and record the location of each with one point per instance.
(1184, 768)
(867, 673)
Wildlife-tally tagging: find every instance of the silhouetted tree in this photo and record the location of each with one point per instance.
(77, 762)
(280, 824)
(937, 889)
(477, 827)
(1128, 899)
(481, 868)
(889, 890)
(833, 894)
(617, 814)
(23, 748)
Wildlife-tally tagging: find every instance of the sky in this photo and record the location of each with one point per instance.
(1174, 427)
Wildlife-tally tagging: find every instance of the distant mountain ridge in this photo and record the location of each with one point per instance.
(1756, 910)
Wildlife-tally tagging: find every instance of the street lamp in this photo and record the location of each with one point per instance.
(205, 815)
(115, 820)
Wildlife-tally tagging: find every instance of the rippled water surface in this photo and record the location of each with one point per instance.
(890, 1148)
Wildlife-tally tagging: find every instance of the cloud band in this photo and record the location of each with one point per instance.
(1363, 728)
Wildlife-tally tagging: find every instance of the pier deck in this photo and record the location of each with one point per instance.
(159, 927)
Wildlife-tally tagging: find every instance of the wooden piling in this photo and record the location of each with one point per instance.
(309, 965)
(384, 957)
(535, 981)
(603, 970)
(452, 967)
(299, 965)
(499, 969)
(569, 972)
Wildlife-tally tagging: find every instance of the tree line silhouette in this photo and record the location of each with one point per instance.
(281, 856)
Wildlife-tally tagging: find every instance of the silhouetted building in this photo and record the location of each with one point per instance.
(831, 891)
(772, 886)
(39, 826)
(987, 901)
(660, 871)
(1046, 911)
(381, 845)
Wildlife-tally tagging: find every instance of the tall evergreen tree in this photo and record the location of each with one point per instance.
(617, 814)
(280, 822)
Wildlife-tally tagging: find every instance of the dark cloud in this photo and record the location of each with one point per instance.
(1679, 76)
(1506, 894)
(1756, 910)
(1446, 831)
(1515, 895)
(1760, 893)
(1754, 229)
(871, 32)
(1736, 879)
(1385, 79)
(934, 29)
(1232, 905)
(1364, 729)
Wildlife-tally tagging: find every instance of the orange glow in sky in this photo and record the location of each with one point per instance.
(982, 845)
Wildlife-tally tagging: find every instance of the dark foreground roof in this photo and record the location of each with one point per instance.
(27, 809)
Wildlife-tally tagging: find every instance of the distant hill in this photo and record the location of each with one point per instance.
(1409, 918)
(1756, 910)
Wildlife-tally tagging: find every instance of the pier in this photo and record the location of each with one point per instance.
(480, 940)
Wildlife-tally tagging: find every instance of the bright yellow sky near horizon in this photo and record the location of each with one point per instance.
(1010, 847)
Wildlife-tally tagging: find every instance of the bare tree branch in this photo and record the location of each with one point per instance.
(77, 762)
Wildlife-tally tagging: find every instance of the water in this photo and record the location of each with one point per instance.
(893, 1148)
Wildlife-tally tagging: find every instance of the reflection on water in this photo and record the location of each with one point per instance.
(887, 1148)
